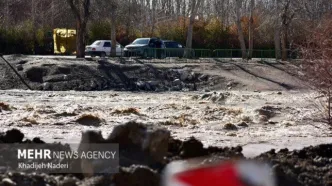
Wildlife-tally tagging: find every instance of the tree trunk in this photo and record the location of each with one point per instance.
(154, 3)
(277, 30)
(240, 30)
(81, 13)
(251, 29)
(194, 7)
(277, 42)
(34, 26)
(284, 44)
(80, 40)
(113, 34)
(7, 15)
(329, 120)
(190, 32)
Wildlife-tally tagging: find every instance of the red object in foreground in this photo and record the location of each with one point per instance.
(221, 175)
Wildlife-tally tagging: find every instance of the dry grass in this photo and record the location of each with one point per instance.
(127, 111)
(4, 106)
(89, 120)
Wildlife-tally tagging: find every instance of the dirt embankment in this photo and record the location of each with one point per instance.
(43, 73)
(87, 75)
(309, 166)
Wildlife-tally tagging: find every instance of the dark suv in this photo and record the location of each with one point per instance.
(173, 49)
(145, 47)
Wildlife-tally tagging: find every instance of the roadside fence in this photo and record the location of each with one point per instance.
(199, 55)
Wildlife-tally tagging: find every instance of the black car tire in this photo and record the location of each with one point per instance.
(103, 54)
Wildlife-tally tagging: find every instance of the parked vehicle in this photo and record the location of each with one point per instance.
(145, 47)
(173, 49)
(102, 48)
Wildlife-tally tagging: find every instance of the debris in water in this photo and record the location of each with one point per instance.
(89, 120)
(127, 111)
(4, 106)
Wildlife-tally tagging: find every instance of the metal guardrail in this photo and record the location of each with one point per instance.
(166, 54)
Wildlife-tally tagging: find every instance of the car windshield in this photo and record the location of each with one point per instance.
(141, 42)
(96, 43)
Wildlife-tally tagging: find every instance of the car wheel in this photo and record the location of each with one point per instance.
(103, 54)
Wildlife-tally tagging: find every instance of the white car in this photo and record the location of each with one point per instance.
(102, 48)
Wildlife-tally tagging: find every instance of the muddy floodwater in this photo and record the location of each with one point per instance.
(258, 121)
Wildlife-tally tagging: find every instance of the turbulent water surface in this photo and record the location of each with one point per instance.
(259, 121)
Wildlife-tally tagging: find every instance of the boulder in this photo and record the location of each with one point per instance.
(192, 148)
(184, 75)
(152, 141)
(267, 111)
(36, 74)
(136, 175)
(7, 182)
(140, 84)
(55, 78)
(229, 126)
(12, 136)
(19, 67)
(177, 82)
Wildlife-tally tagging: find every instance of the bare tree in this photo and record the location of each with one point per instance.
(286, 18)
(34, 4)
(193, 11)
(251, 29)
(81, 11)
(114, 7)
(238, 8)
(318, 63)
(277, 30)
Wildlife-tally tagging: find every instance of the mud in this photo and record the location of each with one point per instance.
(307, 167)
(101, 74)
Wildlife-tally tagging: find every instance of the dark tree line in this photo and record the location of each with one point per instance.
(245, 24)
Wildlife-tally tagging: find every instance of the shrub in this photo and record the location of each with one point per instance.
(317, 67)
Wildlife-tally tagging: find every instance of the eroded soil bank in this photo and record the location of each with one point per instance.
(66, 73)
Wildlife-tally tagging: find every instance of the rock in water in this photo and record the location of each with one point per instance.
(151, 140)
(192, 148)
(13, 136)
(138, 143)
